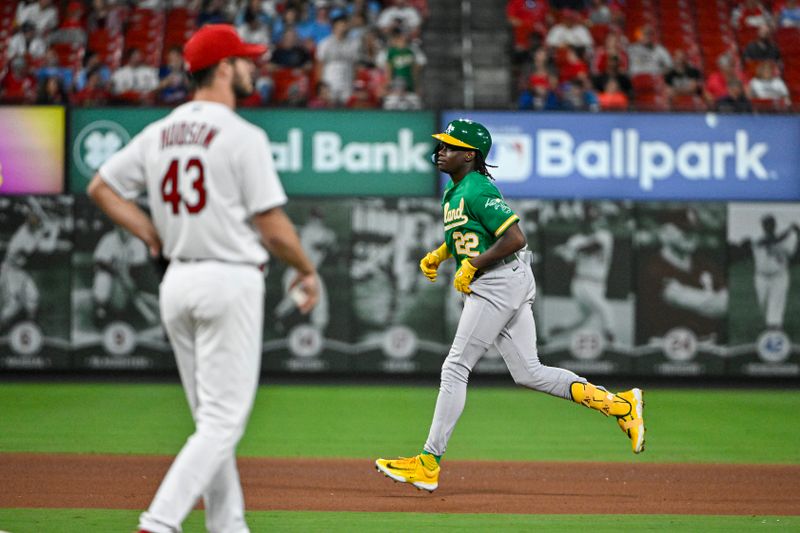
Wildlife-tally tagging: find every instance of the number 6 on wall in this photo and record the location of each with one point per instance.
(170, 191)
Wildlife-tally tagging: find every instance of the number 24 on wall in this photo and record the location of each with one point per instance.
(170, 192)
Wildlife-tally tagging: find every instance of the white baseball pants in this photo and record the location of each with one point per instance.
(771, 291)
(498, 311)
(591, 295)
(213, 314)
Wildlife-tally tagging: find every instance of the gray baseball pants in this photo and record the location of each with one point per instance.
(498, 311)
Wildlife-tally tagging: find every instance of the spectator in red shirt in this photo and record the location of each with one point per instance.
(528, 19)
(18, 86)
(613, 72)
(73, 17)
(542, 69)
(95, 92)
(612, 47)
(716, 85)
(573, 68)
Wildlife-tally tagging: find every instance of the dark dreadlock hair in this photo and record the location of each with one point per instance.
(481, 166)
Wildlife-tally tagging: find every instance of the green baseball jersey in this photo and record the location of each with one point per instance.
(475, 216)
(402, 61)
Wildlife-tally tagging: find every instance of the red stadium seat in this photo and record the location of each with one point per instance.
(768, 105)
(647, 84)
(599, 33)
(287, 80)
(107, 46)
(69, 55)
(650, 102)
(687, 102)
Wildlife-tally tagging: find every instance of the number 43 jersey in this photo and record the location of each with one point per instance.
(206, 172)
(475, 216)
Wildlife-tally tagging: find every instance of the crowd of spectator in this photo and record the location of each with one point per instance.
(566, 54)
(585, 55)
(322, 53)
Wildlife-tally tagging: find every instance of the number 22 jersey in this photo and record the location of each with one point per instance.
(475, 216)
(206, 172)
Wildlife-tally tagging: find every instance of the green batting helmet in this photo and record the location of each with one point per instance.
(467, 134)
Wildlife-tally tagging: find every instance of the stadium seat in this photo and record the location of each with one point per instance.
(107, 46)
(768, 105)
(599, 33)
(650, 102)
(69, 55)
(647, 83)
(687, 102)
(287, 81)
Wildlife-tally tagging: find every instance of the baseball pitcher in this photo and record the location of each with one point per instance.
(216, 203)
(482, 234)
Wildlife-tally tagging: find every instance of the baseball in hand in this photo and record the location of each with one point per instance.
(298, 295)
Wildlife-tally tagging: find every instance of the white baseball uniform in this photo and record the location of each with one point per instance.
(592, 256)
(119, 250)
(206, 172)
(772, 277)
(18, 291)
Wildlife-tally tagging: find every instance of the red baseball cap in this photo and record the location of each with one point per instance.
(214, 42)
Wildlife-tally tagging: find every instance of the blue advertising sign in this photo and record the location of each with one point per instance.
(642, 156)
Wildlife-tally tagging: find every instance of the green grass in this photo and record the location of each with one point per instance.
(732, 426)
(103, 521)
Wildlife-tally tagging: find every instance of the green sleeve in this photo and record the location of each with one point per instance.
(492, 211)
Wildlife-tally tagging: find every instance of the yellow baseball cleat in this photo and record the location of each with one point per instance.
(632, 424)
(411, 470)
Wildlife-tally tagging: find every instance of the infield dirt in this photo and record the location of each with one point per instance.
(129, 482)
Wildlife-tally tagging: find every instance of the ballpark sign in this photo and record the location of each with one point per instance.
(317, 153)
(639, 156)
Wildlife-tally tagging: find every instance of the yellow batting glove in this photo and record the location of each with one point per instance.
(464, 277)
(430, 263)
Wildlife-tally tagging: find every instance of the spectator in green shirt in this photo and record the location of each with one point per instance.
(403, 61)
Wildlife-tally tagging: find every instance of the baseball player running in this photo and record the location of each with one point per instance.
(482, 234)
(771, 255)
(215, 198)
